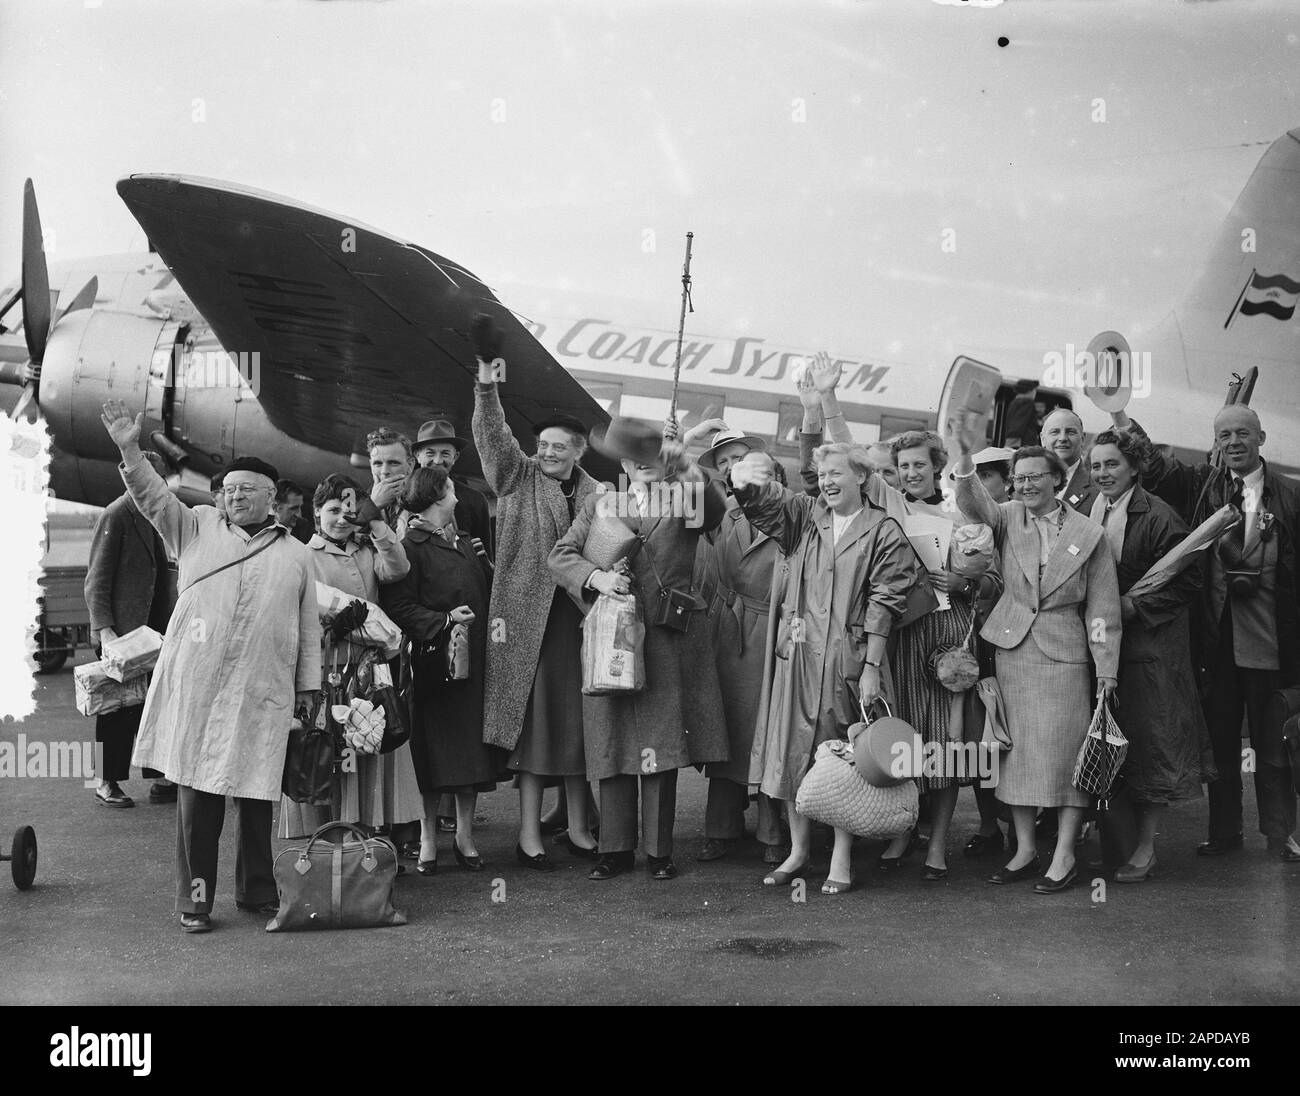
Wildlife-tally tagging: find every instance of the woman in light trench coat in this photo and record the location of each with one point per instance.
(842, 584)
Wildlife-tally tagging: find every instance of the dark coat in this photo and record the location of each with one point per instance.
(473, 515)
(447, 739)
(1080, 492)
(1158, 709)
(838, 594)
(1196, 492)
(532, 514)
(679, 714)
(735, 565)
(129, 582)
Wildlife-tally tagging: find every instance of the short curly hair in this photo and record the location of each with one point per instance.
(386, 436)
(1130, 447)
(424, 487)
(920, 439)
(1054, 463)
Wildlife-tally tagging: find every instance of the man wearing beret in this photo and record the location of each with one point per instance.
(242, 651)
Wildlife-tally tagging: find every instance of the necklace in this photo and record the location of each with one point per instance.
(570, 493)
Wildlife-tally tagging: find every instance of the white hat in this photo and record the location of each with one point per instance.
(993, 453)
(727, 437)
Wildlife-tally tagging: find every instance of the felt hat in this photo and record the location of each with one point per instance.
(631, 439)
(565, 422)
(728, 437)
(435, 432)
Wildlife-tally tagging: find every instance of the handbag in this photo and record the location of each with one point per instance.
(309, 760)
(834, 793)
(957, 668)
(1102, 754)
(329, 885)
(371, 682)
(675, 607)
(443, 660)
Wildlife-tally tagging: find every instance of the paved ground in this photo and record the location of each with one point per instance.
(99, 928)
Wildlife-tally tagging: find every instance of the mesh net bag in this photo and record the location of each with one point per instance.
(1102, 754)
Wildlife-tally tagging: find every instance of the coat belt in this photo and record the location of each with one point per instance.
(738, 603)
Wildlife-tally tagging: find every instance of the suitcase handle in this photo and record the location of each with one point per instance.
(365, 840)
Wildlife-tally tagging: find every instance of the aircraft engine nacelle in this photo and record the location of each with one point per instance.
(93, 356)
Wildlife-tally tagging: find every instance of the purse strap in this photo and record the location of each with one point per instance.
(279, 532)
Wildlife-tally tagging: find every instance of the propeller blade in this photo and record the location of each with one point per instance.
(85, 298)
(36, 279)
(26, 407)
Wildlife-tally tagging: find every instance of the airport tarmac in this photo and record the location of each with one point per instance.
(98, 926)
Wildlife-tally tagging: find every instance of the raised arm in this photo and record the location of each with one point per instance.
(772, 509)
(504, 463)
(826, 376)
(973, 498)
(176, 523)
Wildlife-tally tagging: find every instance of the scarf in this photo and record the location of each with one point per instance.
(1113, 518)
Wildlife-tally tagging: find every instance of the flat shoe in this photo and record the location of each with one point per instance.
(1128, 873)
(113, 796)
(661, 867)
(162, 793)
(1047, 885)
(933, 875)
(783, 878)
(1019, 875)
(835, 886)
(611, 864)
(580, 851)
(1216, 846)
(889, 863)
(540, 862)
(196, 922)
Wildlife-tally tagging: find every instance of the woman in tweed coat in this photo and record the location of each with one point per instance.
(1060, 606)
(534, 671)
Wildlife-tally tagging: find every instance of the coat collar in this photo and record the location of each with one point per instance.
(863, 522)
(321, 544)
(747, 535)
(1079, 536)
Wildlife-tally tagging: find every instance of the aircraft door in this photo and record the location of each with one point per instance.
(971, 386)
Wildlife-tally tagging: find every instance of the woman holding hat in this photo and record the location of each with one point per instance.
(447, 585)
(678, 718)
(842, 583)
(1059, 610)
(381, 790)
(534, 669)
(735, 563)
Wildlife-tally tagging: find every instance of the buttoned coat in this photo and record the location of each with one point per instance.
(358, 568)
(678, 716)
(827, 598)
(532, 514)
(239, 645)
(1072, 611)
(1157, 688)
(128, 581)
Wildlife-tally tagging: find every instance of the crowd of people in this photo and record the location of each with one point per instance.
(777, 616)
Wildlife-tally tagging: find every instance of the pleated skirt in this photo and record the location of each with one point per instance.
(922, 700)
(1048, 709)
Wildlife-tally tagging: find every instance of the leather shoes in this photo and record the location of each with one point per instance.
(715, 848)
(469, 863)
(540, 862)
(1047, 885)
(984, 844)
(579, 851)
(1019, 875)
(1128, 873)
(934, 875)
(196, 922)
(1290, 853)
(446, 823)
(611, 864)
(162, 793)
(267, 909)
(427, 867)
(661, 867)
(1217, 846)
(112, 796)
(889, 863)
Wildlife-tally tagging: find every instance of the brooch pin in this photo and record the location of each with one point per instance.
(1073, 550)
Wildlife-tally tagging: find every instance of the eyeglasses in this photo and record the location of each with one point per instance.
(242, 489)
(1024, 481)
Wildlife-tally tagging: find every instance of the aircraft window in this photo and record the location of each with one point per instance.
(789, 421)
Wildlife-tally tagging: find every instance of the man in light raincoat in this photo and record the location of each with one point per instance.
(244, 639)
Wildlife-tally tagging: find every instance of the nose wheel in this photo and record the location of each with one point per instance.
(22, 857)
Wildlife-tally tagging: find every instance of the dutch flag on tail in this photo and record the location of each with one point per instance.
(1273, 295)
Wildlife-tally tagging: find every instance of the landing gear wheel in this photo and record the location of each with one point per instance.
(52, 650)
(24, 857)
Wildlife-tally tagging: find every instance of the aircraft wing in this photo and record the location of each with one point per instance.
(354, 328)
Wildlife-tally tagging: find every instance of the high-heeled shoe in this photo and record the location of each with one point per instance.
(540, 862)
(889, 863)
(784, 878)
(427, 867)
(469, 863)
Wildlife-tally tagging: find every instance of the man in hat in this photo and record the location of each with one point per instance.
(242, 652)
(437, 446)
(678, 718)
(736, 562)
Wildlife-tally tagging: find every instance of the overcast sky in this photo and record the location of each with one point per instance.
(818, 151)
